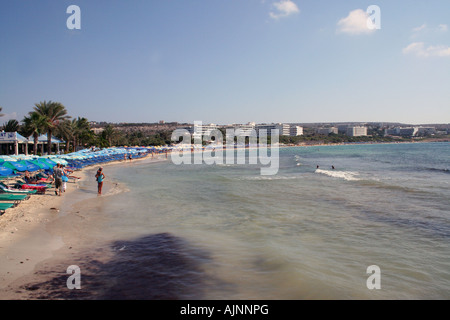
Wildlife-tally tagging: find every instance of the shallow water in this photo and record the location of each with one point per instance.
(164, 231)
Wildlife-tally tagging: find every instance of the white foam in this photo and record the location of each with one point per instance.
(346, 175)
(276, 177)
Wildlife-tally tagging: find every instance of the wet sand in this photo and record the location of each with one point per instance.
(48, 229)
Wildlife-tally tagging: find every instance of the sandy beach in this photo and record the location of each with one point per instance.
(48, 226)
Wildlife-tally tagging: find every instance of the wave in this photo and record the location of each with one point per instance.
(346, 175)
(275, 177)
(437, 170)
(297, 160)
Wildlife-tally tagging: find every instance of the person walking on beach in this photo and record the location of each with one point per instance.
(57, 174)
(64, 178)
(100, 176)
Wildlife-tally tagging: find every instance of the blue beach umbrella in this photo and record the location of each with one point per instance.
(41, 165)
(5, 171)
(31, 166)
(15, 165)
(48, 161)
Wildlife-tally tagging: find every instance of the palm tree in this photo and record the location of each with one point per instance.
(109, 133)
(65, 131)
(11, 126)
(54, 113)
(73, 131)
(34, 125)
(82, 126)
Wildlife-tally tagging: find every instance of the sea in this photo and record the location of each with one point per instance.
(377, 226)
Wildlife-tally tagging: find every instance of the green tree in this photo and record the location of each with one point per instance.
(33, 125)
(11, 126)
(54, 113)
(65, 131)
(109, 134)
(82, 127)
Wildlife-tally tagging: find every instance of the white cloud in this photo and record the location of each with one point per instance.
(284, 8)
(355, 23)
(422, 27)
(420, 50)
(443, 28)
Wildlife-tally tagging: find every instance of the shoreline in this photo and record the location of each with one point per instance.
(27, 235)
(33, 234)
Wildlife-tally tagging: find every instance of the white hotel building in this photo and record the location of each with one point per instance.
(357, 131)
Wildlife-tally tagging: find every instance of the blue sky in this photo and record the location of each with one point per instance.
(228, 61)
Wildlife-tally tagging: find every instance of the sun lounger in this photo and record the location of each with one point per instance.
(14, 197)
(42, 184)
(4, 206)
(38, 188)
(6, 189)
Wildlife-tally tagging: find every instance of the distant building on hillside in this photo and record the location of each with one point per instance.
(410, 131)
(327, 131)
(296, 131)
(199, 130)
(283, 129)
(356, 131)
(392, 131)
(247, 130)
(342, 129)
(425, 131)
(97, 130)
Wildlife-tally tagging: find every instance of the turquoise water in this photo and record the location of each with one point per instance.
(226, 232)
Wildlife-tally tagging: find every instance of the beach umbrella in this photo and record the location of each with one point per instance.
(42, 165)
(15, 165)
(5, 171)
(30, 166)
(48, 161)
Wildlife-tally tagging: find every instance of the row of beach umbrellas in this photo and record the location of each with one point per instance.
(12, 165)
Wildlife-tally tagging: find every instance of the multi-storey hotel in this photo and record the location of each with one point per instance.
(357, 131)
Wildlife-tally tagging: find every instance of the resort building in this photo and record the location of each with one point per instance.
(407, 132)
(283, 129)
(200, 130)
(248, 130)
(342, 129)
(392, 131)
(296, 131)
(356, 131)
(410, 131)
(425, 131)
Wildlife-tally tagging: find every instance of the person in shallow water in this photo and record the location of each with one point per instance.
(332, 167)
(100, 177)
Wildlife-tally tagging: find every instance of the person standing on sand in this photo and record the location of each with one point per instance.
(57, 174)
(100, 176)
